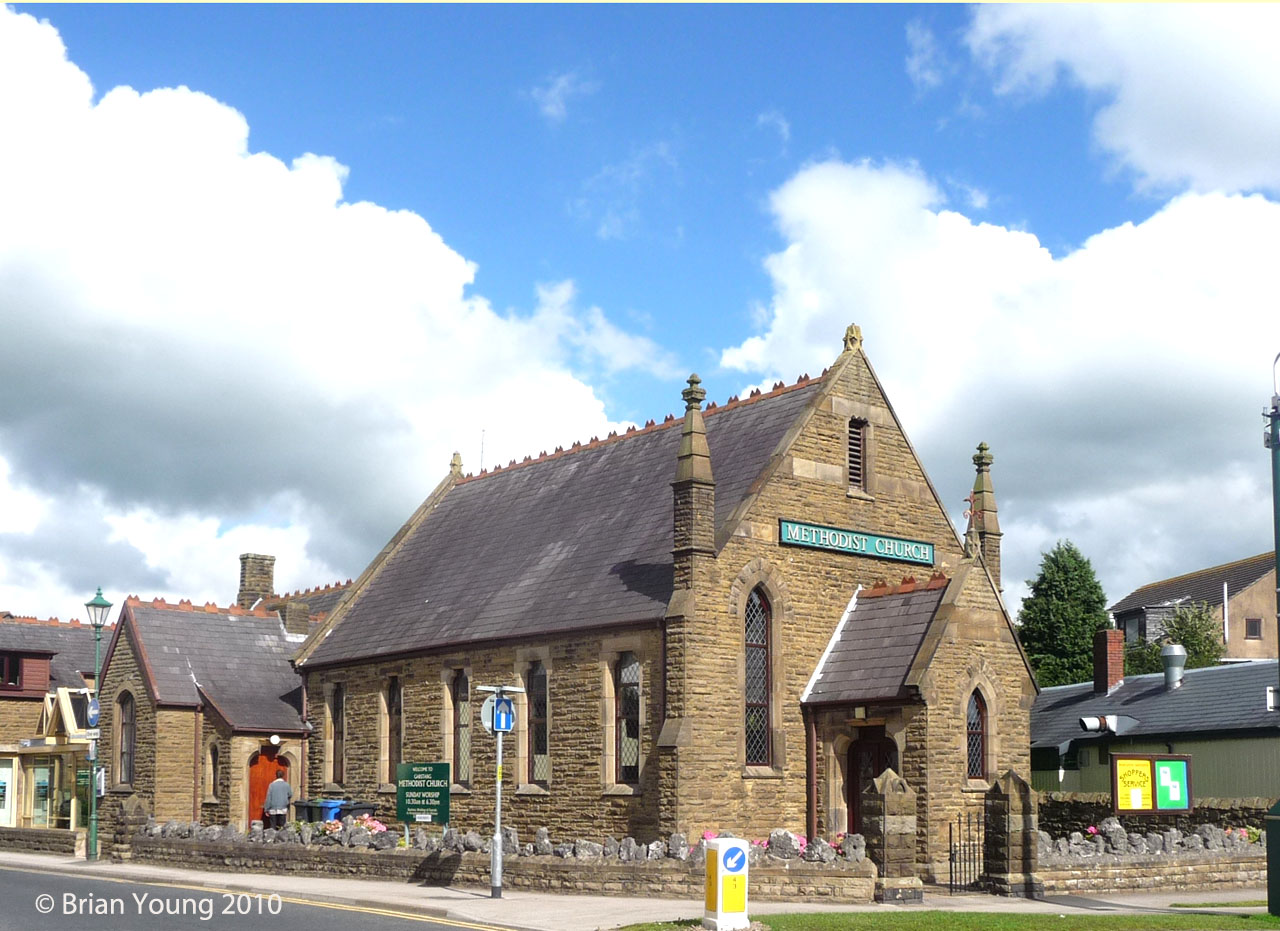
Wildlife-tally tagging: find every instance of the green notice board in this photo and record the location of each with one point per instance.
(1173, 788)
(1150, 784)
(422, 793)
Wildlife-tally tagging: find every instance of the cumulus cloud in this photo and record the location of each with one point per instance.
(1119, 385)
(207, 349)
(553, 95)
(1191, 92)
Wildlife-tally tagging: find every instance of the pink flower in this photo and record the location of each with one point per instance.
(708, 835)
(1092, 829)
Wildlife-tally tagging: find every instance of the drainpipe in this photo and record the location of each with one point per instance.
(1272, 442)
(811, 774)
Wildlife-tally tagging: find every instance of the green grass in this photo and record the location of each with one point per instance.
(1246, 903)
(990, 921)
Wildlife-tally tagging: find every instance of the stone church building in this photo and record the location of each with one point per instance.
(731, 620)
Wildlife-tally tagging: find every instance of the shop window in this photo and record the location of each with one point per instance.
(758, 723)
(337, 733)
(1253, 628)
(539, 754)
(126, 724)
(857, 453)
(626, 705)
(976, 726)
(395, 727)
(10, 670)
(462, 729)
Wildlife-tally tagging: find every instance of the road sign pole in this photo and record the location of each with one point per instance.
(497, 714)
(495, 858)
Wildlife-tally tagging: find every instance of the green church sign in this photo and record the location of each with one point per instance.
(422, 793)
(818, 537)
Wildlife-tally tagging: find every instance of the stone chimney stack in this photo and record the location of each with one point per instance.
(984, 524)
(694, 489)
(1108, 660)
(257, 578)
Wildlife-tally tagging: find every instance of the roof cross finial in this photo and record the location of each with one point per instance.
(852, 337)
(693, 395)
(455, 464)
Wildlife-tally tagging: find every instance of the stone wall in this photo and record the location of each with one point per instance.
(1061, 813)
(43, 840)
(19, 718)
(794, 881)
(1230, 871)
(124, 674)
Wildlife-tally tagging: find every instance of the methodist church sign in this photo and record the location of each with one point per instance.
(818, 537)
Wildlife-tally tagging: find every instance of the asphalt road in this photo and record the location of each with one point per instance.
(31, 900)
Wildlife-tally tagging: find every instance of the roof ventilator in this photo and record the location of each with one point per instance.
(1174, 657)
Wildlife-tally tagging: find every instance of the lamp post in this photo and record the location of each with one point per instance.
(1271, 439)
(98, 608)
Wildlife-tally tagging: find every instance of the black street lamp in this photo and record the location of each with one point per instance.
(98, 609)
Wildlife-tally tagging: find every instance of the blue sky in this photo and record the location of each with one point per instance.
(1052, 224)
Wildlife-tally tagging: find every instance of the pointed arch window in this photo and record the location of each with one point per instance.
(626, 709)
(126, 710)
(976, 727)
(539, 755)
(462, 729)
(757, 714)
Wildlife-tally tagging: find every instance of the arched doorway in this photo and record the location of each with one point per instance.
(869, 756)
(262, 772)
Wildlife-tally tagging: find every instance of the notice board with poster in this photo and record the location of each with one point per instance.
(1150, 784)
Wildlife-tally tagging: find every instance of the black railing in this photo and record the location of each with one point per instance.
(966, 836)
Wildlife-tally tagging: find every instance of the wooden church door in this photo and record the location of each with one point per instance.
(262, 772)
(869, 756)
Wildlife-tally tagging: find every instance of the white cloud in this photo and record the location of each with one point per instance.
(924, 58)
(773, 119)
(208, 350)
(1118, 385)
(552, 96)
(611, 197)
(1191, 91)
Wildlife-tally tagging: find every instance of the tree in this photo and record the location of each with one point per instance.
(1192, 626)
(1058, 619)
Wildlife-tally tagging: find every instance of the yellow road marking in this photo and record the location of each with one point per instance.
(366, 909)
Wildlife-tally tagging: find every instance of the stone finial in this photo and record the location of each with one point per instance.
(694, 395)
(983, 458)
(455, 464)
(983, 533)
(852, 337)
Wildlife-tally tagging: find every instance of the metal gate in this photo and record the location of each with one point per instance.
(965, 835)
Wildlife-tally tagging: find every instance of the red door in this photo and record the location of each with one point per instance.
(262, 772)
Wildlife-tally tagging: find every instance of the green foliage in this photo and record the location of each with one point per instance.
(1192, 626)
(1058, 619)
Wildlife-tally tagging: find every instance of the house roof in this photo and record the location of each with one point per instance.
(239, 659)
(578, 539)
(872, 650)
(69, 645)
(1212, 700)
(318, 600)
(1204, 585)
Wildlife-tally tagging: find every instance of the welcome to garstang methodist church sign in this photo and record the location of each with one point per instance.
(818, 537)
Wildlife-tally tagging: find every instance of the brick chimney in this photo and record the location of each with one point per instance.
(257, 578)
(984, 524)
(1108, 660)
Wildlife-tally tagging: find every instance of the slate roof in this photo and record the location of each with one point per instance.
(70, 643)
(575, 540)
(239, 659)
(318, 600)
(871, 652)
(1194, 587)
(1212, 700)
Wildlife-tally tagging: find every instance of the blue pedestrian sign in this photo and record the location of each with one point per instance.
(735, 860)
(91, 716)
(504, 715)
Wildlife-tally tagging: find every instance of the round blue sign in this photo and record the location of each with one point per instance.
(734, 860)
(91, 716)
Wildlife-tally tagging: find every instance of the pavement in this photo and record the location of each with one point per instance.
(544, 911)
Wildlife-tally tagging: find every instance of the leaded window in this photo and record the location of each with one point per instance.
(395, 727)
(539, 755)
(759, 750)
(857, 453)
(626, 695)
(128, 737)
(338, 719)
(977, 736)
(461, 728)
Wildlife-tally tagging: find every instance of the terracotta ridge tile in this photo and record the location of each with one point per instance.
(650, 425)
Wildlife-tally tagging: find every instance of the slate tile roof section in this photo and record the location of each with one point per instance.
(318, 600)
(871, 655)
(575, 540)
(239, 658)
(1214, 700)
(1195, 587)
(71, 646)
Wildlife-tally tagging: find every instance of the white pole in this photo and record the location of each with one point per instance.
(495, 858)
